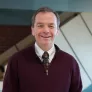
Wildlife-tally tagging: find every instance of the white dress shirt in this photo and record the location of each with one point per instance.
(40, 52)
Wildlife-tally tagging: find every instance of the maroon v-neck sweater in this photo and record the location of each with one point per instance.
(25, 73)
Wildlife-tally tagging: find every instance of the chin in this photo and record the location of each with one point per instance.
(46, 43)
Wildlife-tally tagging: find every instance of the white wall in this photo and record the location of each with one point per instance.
(88, 19)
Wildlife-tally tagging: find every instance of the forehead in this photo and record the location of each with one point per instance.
(45, 17)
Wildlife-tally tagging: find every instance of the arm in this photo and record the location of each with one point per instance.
(10, 83)
(76, 82)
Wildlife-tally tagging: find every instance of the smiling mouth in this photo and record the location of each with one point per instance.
(46, 36)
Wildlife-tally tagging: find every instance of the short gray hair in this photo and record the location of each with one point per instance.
(45, 9)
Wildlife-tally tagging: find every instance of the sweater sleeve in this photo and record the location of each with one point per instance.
(10, 83)
(76, 82)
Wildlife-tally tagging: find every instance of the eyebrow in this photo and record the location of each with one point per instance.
(39, 23)
(43, 23)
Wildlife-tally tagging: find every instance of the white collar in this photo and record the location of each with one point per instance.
(40, 52)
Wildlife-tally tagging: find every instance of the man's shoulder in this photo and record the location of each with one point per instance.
(62, 52)
(29, 49)
(65, 55)
(68, 59)
(24, 52)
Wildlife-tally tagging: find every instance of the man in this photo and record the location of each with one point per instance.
(31, 71)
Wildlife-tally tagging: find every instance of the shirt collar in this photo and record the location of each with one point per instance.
(40, 52)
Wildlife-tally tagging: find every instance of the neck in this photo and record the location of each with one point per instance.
(45, 47)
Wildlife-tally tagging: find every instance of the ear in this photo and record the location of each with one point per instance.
(58, 31)
(33, 32)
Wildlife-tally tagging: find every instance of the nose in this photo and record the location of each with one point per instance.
(46, 29)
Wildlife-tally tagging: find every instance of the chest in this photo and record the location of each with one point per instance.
(33, 74)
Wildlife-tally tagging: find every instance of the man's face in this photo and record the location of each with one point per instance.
(45, 28)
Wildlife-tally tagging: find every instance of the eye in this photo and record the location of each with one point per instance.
(40, 25)
(51, 26)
